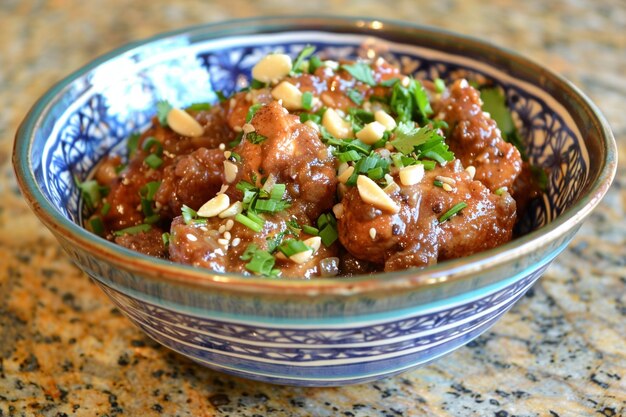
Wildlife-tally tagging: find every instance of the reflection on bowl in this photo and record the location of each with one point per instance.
(327, 331)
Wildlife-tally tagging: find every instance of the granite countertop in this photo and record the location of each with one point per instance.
(66, 350)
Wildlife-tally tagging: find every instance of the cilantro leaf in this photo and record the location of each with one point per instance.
(304, 54)
(163, 108)
(494, 103)
(411, 102)
(408, 137)
(362, 72)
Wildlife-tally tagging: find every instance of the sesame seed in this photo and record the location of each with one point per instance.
(222, 147)
(236, 241)
(237, 129)
(227, 235)
(223, 242)
(203, 228)
(445, 180)
(373, 233)
(229, 224)
(222, 229)
(191, 237)
(447, 187)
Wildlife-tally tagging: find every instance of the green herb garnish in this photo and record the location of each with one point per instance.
(356, 96)
(133, 230)
(291, 247)
(163, 109)
(306, 52)
(261, 262)
(307, 100)
(453, 211)
(494, 103)
(198, 107)
(361, 72)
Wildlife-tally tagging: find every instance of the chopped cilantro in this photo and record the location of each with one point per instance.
(424, 141)
(411, 102)
(307, 100)
(494, 103)
(97, 226)
(163, 108)
(252, 111)
(356, 96)
(361, 72)
(306, 52)
(254, 137)
(188, 213)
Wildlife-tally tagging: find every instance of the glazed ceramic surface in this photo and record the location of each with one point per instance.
(323, 332)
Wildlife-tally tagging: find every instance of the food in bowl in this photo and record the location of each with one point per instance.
(317, 168)
(309, 332)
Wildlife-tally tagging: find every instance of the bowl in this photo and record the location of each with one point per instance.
(321, 332)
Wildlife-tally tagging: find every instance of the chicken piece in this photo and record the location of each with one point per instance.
(415, 237)
(294, 154)
(149, 243)
(202, 245)
(475, 138)
(191, 180)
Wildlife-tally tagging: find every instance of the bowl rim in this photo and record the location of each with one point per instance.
(445, 272)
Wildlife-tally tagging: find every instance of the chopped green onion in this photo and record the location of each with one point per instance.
(310, 230)
(133, 230)
(163, 109)
(270, 206)
(236, 141)
(376, 173)
(244, 185)
(256, 84)
(153, 161)
(106, 207)
(198, 107)
(146, 207)
(166, 238)
(500, 191)
(361, 72)
(252, 111)
(308, 116)
(153, 218)
(150, 143)
(256, 218)
(149, 190)
(261, 262)
(347, 156)
(307, 100)
(90, 191)
(292, 246)
(97, 226)
(327, 228)
(440, 86)
(314, 63)
(438, 183)
(278, 191)
(251, 224)
(453, 211)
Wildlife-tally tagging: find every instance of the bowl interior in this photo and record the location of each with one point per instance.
(92, 112)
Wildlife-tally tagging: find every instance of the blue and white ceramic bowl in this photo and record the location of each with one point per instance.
(328, 331)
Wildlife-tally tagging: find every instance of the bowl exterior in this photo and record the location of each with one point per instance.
(334, 333)
(315, 341)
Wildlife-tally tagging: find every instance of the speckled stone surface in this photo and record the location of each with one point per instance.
(65, 350)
